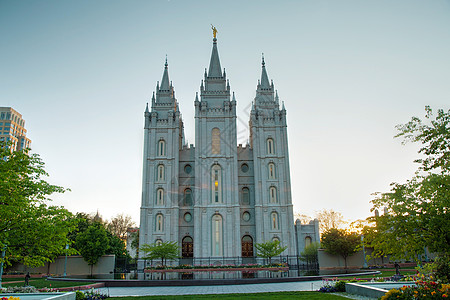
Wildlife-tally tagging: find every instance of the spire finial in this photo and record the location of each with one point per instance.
(166, 64)
(214, 30)
(263, 63)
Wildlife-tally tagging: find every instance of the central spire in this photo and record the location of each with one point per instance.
(165, 79)
(264, 78)
(214, 65)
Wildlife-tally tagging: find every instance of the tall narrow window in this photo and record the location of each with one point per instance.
(273, 194)
(161, 148)
(215, 141)
(187, 197)
(159, 197)
(160, 172)
(272, 173)
(274, 220)
(270, 146)
(159, 223)
(307, 241)
(216, 184)
(245, 196)
(217, 244)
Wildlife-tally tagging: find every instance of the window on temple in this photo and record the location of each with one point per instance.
(270, 146)
(215, 141)
(161, 148)
(217, 236)
(161, 172)
(216, 184)
(188, 197)
(159, 197)
(245, 196)
(307, 241)
(272, 173)
(273, 195)
(274, 221)
(159, 226)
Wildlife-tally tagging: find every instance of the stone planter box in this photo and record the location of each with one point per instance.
(215, 270)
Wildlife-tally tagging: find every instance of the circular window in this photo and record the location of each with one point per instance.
(187, 169)
(187, 217)
(246, 216)
(244, 168)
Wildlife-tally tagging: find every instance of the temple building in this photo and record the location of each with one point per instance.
(218, 199)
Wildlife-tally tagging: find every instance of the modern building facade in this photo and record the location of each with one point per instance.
(12, 129)
(217, 199)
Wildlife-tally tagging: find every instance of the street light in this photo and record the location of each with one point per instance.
(65, 261)
(1, 264)
(364, 251)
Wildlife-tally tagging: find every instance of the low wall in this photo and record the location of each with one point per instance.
(355, 261)
(76, 265)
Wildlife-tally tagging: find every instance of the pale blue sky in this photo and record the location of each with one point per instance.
(80, 73)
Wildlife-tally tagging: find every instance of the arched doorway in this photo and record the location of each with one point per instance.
(187, 247)
(247, 246)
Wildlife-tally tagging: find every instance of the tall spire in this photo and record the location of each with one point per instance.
(264, 78)
(214, 65)
(165, 79)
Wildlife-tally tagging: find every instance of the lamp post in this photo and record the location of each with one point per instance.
(1, 264)
(65, 261)
(364, 251)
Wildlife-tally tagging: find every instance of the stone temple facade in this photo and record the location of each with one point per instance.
(218, 199)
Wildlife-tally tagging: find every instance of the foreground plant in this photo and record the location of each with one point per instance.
(423, 290)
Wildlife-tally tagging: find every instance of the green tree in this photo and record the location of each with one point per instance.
(92, 243)
(340, 242)
(417, 211)
(310, 253)
(119, 225)
(31, 231)
(329, 219)
(164, 251)
(269, 249)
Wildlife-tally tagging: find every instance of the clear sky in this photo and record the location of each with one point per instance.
(80, 73)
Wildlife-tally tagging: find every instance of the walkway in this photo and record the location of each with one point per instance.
(213, 289)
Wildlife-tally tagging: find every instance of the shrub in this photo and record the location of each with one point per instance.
(443, 268)
(94, 295)
(79, 295)
(21, 289)
(340, 286)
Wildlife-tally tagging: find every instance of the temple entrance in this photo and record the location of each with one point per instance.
(187, 247)
(247, 246)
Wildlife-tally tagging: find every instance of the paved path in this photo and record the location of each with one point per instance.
(213, 289)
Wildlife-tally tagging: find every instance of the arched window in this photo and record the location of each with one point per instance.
(273, 195)
(274, 221)
(272, 171)
(161, 172)
(270, 146)
(217, 238)
(161, 148)
(159, 226)
(158, 242)
(245, 196)
(216, 184)
(275, 238)
(215, 141)
(187, 197)
(307, 241)
(159, 197)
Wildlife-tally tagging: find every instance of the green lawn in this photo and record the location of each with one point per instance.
(42, 282)
(256, 296)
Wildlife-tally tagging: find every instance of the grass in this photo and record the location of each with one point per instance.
(254, 296)
(42, 282)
